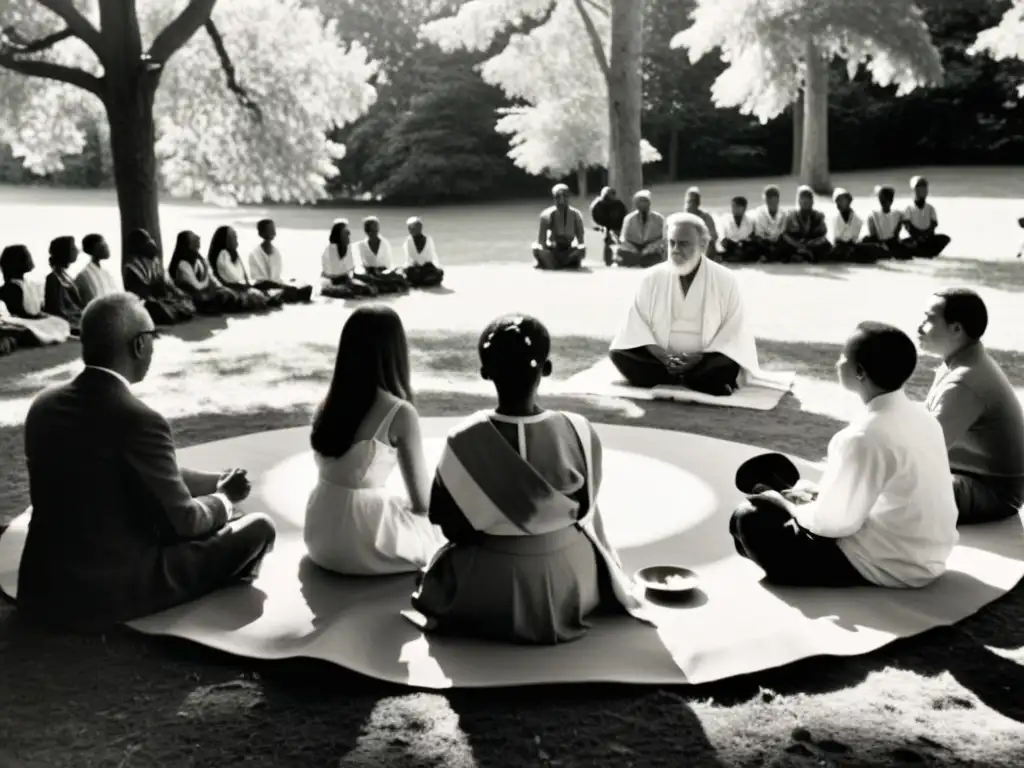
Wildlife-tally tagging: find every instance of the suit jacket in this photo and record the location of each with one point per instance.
(108, 500)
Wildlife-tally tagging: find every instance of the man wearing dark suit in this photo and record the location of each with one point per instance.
(118, 531)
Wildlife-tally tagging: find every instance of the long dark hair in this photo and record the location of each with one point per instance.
(373, 354)
(183, 252)
(219, 242)
(339, 226)
(15, 262)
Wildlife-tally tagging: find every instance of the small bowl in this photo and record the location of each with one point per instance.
(672, 579)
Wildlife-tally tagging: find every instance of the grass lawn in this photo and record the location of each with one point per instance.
(951, 697)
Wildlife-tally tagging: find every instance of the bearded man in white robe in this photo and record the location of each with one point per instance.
(686, 325)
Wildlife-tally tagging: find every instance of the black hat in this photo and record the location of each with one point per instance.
(770, 469)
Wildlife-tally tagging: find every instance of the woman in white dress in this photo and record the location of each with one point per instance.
(365, 426)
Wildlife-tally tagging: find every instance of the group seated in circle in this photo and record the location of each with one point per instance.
(505, 534)
(770, 234)
(221, 282)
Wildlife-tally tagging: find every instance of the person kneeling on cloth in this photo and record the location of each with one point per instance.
(884, 512)
(686, 324)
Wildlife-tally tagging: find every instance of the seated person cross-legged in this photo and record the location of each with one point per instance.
(805, 237)
(118, 530)
(514, 493)
(367, 424)
(976, 406)
(561, 240)
(338, 266)
(642, 242)
(686, 323)
(884, 513)
(422, 265)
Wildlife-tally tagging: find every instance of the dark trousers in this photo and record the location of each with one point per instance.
(766, 534)
(290, 292)
(712, 375)
(559, 257)
(856, 253)
(767, 251)
(926, 246)
(819, 251)
(385, 280)
(744, 252)
(891, 248)
(424, 275)
(628, 257)
(986, 499)
(348, 288)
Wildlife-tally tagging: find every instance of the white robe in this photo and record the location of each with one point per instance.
(725, 328)
(846, 231)
(370, 260)
(414, 258)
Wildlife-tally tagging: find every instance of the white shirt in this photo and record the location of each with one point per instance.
(846, 231)
(230, 271)
(427, 256)
(379, 260)
(767, 226)
(886, 224)
(224, 499)
(94, 282)
(266, 266)
(921, 218)
(332, 264)
(728, 229)
(887, 494)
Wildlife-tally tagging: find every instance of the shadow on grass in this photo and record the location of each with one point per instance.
(957, 271)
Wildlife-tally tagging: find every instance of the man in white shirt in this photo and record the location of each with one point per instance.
(884, 225)
(642, 242)
(884, 513)
(95, 280)
(769, 224)
(266, 267)
(737, 242)
(845, 232)
(375, 256)
(921, 221)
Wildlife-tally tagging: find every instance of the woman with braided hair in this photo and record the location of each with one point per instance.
(527, 559)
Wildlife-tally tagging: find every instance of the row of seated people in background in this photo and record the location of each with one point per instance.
(340, 278)
(506, 534)
(192, 284)
(770, 234)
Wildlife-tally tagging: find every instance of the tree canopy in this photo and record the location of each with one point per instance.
(1006, 39)
(766, 50)
(242, 111)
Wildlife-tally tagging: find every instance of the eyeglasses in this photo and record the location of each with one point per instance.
(155, 334)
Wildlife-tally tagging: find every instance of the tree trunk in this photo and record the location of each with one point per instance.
(133, 146)
(130, 90)
(581, 181)
(798, 134)
(673, 154)
(814, 165)
(625, 97)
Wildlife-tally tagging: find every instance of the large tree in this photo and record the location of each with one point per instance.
(239, 113)
(479, 22)
(563, 127)
(1006, 39)
(779, 53)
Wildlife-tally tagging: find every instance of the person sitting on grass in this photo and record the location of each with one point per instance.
(95, 280)
(608, 214)
(118, 530)
(977, 408)
(692, 206)
(229, 269)
(10, 333)
(884, 225)
(60, 296)
(737, 243)
(422, 266)
(515, 495)
(920, 222)
(561, 240)
(375, 256)
(142, 273)
(24, 303)
(266, 267)
(883, 513)
(642, 242)
(805, 237)
(192, 274)
(686, 325)
(845, 233)
(338, 267)
(769, 224)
